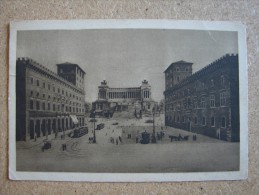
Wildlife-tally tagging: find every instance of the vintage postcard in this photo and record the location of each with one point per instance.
(128, 101)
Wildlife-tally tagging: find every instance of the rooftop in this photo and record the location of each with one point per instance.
(68, 63)
(178, 62)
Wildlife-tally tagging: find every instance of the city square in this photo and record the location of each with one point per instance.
(203, 154)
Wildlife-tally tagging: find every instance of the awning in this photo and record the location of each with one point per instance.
(74, 119)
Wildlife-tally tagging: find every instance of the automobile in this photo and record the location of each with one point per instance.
(145, 138)
(100, 126)
(46, 145)
(115, 123)
(93, 120)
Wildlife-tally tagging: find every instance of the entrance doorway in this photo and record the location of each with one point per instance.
(32, 129)
(37, 128)
(49, 126)
(189, 124)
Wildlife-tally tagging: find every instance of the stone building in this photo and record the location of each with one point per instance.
(131, 99)
(206, 102)
(47, 102)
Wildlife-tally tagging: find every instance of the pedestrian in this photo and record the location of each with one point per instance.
(35, 138)
(117, 142)
(120, 139)
(136, 139)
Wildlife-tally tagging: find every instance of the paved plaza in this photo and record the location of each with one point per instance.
(203, 154)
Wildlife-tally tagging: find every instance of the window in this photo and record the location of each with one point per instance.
(48, 86)
(177, 69)
(48, 106)
(212, 121)
(178, 119)
(183, 119)
(54, 107)
(31, 104)
(195, 120)
(211, 83)
(178, 78)
(62, 92)
(37, 105)
(43, 105)
(38, 94)
(58, 107)
(223, 122)
(223, 99)
(43, 95)
(203, 121)
(212, 101)
(31, 93)
(38, 83)
(32, 81)
(203, 85)
(195, 104)
(54, 89)
(58, 90)
(43, 84)
(203, 103)
(222, 80)
(186, 69)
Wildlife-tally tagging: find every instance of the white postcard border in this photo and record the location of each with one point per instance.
(130, 24)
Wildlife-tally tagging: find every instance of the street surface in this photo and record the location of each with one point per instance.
(81, 155)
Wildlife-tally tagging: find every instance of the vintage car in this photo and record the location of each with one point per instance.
(46, 145)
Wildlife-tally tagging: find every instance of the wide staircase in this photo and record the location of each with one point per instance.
(128, 114)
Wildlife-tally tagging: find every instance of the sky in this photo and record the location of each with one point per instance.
(125, 57)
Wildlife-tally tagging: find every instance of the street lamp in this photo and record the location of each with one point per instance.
(94, 140)
(154, 133)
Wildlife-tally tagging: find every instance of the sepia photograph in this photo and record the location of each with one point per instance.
(127, 100)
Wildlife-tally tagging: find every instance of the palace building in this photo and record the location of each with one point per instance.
(123, 99)
(206, 102)
(47, 102)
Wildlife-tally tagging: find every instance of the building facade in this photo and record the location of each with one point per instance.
(132, 99)
(206, 102)
(47, 102)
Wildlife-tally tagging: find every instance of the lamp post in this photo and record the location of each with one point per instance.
(154, 132)
(94, 140)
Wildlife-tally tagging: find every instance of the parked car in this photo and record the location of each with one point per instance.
(100, 126)
(46, 145)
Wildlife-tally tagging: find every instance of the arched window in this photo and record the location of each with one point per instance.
(31, 104)
(212, 101)
(37, 105)
(43, 105)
